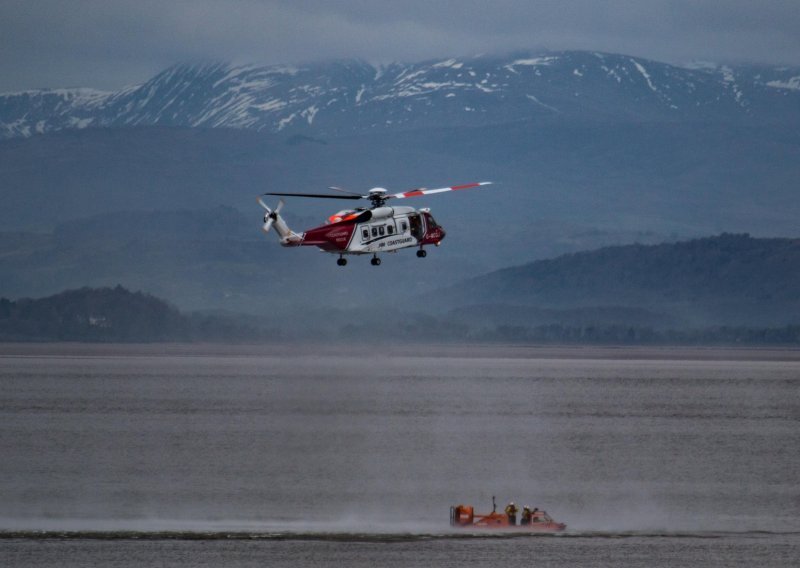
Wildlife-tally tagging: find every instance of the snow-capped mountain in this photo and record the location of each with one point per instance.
(352, 96)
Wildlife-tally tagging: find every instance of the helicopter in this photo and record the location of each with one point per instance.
(369, 230)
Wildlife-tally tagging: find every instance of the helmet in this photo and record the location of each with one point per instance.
(512, 502)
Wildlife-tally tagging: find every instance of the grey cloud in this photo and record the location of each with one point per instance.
(107, 44)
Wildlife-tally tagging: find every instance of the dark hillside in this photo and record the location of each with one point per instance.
(106, 314)
(111, 315)
(733, 279)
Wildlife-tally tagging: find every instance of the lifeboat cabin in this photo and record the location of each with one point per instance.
(464, 516)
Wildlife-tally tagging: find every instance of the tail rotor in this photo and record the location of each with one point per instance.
(271, 215)
(272, 218)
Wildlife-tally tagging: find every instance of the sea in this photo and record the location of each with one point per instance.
(341, 455)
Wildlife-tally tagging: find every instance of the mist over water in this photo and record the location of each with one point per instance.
(323, 444)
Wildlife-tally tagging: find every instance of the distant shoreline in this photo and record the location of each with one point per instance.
(379, 350)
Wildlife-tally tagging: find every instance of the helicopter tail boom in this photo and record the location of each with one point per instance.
(272, 218)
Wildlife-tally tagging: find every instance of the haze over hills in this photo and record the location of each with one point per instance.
(212, 259)
(153, 186)
(730, 289)
(206, 261)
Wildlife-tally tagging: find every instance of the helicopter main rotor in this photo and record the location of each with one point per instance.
(378, 195)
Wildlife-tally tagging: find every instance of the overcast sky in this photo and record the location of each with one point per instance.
(107, 44)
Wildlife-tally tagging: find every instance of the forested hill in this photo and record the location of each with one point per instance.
(726, 279)
(109, 315)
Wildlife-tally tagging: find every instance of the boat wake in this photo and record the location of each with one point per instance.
(377, 537)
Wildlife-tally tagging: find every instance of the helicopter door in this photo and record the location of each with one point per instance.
(415, 223)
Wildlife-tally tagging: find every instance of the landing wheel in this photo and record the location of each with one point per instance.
(341, 261)
(422, 253)
(375, 261)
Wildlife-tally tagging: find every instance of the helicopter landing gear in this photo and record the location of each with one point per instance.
(341, 261)
(375, 261)
(422, 253)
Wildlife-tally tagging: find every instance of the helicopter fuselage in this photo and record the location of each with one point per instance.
(373, 231)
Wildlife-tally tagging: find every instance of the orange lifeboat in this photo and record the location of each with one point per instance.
(464, 516)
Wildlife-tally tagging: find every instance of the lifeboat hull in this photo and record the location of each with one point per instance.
(464, 517)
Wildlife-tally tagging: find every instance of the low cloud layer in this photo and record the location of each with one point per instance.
(111, 43)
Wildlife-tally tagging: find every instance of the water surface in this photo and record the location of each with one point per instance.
(358, 456)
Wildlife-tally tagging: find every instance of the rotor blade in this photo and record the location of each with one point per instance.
(418, 192)
(261, 202)
(334, 188)
(279, 207)
(267, 225)
(317, 195)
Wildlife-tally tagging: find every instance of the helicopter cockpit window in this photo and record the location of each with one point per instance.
(404, 226)
(389, 229)
(374, 231)
(381, 230)
(365, 234)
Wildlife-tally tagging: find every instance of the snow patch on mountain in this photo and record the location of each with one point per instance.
(360, 94)
(284, 122)
(74, 122)
(270, 105)
(449, 63)
(612, 73)
(530, 62)
(729, 78)
(310, 113)
(406, 77)
(792, 84)
(644, 74)
(540, 103)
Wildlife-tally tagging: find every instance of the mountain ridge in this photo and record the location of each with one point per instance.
(351, 96)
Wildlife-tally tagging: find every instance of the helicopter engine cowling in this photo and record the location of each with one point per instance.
(382, 213)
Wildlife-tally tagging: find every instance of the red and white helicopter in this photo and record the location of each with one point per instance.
(374, 230)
